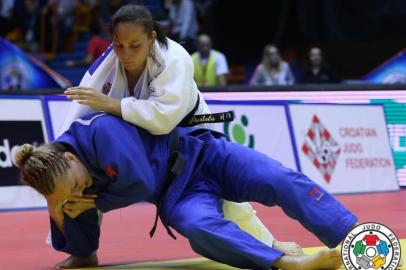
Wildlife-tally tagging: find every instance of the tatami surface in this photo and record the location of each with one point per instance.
(125, 240)
(201, 263)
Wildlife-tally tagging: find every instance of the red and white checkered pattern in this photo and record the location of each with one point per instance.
(319, 135)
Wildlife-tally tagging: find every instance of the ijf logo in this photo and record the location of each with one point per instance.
(371, 246)
(237, 133)
(321, 148)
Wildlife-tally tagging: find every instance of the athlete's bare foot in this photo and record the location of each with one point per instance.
(323, 260)
(289, 248)
(78, 262)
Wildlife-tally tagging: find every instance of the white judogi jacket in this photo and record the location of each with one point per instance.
(164, 94)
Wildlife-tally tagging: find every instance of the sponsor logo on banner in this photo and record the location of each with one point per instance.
(263, 128)
(371, 246)
(321, 148)
(236, 132)
(395, 113)
(13, 134)
(344, 148)
(13, 77)
(397, 137)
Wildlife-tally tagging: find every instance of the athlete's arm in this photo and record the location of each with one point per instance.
(94, 99)
(56, 213)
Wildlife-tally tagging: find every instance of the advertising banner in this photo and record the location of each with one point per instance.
(57, 107)
(19, 126)
(260, 126)
(393, 101)
(20, 71)
(344, 148)
(390, 72)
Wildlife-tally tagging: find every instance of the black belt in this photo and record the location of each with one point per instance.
(193, 120)
(176, 164)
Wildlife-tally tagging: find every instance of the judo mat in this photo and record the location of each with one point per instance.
(205, 264)
(125, 243)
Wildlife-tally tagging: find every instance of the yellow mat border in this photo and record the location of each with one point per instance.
(201, 263)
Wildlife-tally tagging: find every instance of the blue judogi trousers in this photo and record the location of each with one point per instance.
(238, 174)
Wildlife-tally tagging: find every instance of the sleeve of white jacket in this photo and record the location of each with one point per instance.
(75, 111)
(172, 98)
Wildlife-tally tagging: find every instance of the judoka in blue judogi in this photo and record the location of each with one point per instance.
(186, 174)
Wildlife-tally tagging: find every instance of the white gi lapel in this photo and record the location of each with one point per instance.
(144, 91)
(155, 65)
(118, 87)
(98, 79)
(95, 77)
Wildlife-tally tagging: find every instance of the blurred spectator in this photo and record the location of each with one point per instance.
(184, 26)
(82, 16)
(48, 33)
(156, 7)
(203, 8)
(6, 16)
(65, 21)
(317, 71)
(108, 8)
(28, 15)
(211, 67)
(273, 70)
(21, 24)
(97, 44)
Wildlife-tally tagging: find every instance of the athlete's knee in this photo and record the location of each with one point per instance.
(201, 228)
(187, 226)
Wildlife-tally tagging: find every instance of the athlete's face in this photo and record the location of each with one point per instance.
(72, 182)
(132, 45)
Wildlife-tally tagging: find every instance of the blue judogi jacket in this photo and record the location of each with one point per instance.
(126, 169)
(132, 167)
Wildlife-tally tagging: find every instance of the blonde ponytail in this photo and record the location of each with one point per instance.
(23, 154)
(41, 165)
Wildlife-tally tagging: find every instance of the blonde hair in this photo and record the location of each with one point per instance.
(39, 166)
(265, 59)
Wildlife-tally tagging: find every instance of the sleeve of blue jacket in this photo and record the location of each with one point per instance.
(81, 235)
